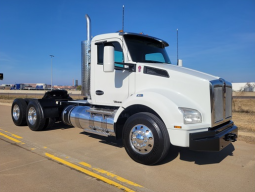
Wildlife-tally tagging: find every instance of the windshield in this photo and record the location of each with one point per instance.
(146, 50)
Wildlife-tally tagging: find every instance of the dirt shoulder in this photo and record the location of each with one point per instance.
(5, 101)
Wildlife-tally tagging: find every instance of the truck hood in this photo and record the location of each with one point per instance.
(176, 69)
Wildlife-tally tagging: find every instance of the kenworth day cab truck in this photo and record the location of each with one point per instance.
(132, 92)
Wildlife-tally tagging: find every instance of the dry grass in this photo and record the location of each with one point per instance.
(244, 121)
(5, 101)
(243, 105)
(244, 117)
(12, 97)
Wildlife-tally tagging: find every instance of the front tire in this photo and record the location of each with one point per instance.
(18, 111)
(34, 117)
(146, 138)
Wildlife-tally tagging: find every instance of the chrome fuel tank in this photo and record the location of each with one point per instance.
(97, 121)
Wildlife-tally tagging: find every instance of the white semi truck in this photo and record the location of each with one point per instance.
(133, 92)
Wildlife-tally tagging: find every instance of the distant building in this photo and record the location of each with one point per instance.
(76, 83)
(245, 87)
(6, 86)
(63, 87)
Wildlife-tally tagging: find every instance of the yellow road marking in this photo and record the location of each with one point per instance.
(108, 181)
(111, 175)
(19, 137)
(14, 135)
(117, 177)
(85, 164)
(8, 137)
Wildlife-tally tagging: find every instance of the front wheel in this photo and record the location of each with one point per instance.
(146, 138)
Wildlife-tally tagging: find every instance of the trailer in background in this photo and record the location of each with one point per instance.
(18, 86)
(42, 86)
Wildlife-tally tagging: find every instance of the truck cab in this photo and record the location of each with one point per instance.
(133, 92)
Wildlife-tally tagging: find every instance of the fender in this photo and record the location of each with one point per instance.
(49, 108)
(164, 102)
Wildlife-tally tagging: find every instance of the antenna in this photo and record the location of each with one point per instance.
(177, 47)
(123, 19)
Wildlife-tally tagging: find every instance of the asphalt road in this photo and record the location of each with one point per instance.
(66, 159)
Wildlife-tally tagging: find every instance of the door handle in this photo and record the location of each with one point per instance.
(99, 92)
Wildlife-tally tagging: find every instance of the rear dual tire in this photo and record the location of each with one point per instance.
(34, 116)
(35, 119)
(18, 112)
(30, 114)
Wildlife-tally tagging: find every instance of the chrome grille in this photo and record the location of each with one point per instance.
(228, 102)
(218, 103)
(221, 101)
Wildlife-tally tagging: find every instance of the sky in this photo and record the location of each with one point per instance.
(215, 36)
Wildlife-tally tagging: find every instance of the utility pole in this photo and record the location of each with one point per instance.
(51, 70)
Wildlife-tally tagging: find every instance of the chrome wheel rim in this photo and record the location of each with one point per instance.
(32, 115)
(141, 139)
(16, 112)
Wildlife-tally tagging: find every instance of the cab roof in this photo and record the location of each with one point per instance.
(112, 35)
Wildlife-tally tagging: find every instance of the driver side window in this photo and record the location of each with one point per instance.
(118, 53)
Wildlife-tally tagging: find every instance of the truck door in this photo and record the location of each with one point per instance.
(111, 88)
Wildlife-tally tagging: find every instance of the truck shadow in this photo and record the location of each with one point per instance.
(58, 125)
(185, 154)
(199, 158)
(110, 140)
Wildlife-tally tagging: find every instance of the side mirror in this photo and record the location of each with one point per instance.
(1, 76)
(179, 63)
(108, 58)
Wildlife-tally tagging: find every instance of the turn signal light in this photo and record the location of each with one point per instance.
(178, 127)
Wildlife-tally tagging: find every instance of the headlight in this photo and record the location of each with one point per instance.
(190, 115)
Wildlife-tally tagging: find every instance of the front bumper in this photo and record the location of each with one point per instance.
(215, 139)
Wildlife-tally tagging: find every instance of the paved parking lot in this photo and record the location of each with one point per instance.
(67, 159)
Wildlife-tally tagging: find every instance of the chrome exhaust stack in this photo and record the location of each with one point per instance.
(85, 62)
